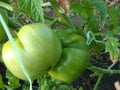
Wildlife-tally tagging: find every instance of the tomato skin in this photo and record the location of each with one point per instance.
(74, 59)
(39, 48)
(4, 15)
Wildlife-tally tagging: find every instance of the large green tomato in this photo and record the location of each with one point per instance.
(5, 15)
(74, 59)
(39, 47)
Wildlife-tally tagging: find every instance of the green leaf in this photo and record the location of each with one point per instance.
(118, 10)
(80, 9)
(113, 16)
(63, 87)
(6, 1)
(97, 47)
(84, 8)
(116, 30)
(13, 81)
(88, 7)
(1, 83)
(93, 24)
(33, 8)
(8, 74)
(46, 82)
(112, 47)
(101, 7)
(81, 88)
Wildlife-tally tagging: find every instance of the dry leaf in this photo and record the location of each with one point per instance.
(117, 85)
(64, 4)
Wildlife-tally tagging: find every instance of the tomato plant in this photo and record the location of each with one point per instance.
(52, 43)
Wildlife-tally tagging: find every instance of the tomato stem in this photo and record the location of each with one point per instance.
(53, 22)
(91, 37)
(63, 18)
(30, 84)
(100, 76)
(48, 18)
(112, 65)
(100, 72)
(17, 53)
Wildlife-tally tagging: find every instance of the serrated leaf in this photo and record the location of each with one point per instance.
(101, 7)
(33, 8)
(84, 8)
(112, 47)
(93, 24)
(88, 7)
(14, 82)
(80, 9)
(116, 30)
(113, 16)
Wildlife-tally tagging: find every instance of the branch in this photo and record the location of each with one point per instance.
(104, 71)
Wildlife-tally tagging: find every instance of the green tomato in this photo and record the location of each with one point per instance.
(5, 15)
(74, 59)
(39, 47)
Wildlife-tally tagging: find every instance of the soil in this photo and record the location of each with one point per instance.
(107, 82)
(88, 82)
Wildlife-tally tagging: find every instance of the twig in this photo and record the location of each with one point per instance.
(102, 70)
(98, 81)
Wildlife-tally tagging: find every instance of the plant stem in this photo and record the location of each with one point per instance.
(48, 18)
(112, 65)
(7, 6)
(30, 85)
(15, 48)
(102, 70)
(98, 81)
(91, 37)
(53, 22)
(63, 18)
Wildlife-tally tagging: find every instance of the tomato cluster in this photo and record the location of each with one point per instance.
(39, 48)
(63, 53)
